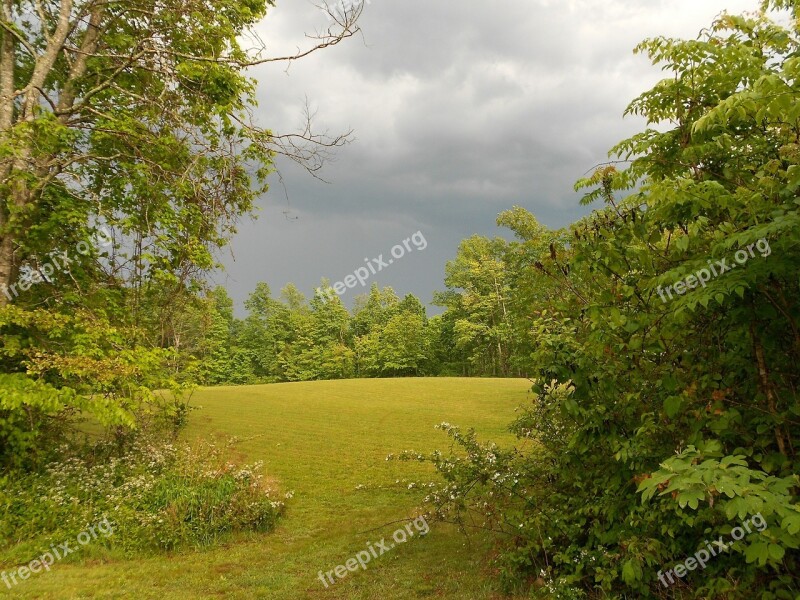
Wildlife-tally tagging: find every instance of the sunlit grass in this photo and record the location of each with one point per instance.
(322, 440)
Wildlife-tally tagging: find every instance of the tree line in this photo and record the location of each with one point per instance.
(484, 331)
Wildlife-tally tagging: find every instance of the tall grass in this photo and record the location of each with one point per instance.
(158, 495)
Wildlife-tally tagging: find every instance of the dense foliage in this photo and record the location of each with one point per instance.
(128, 154)
(155, 495)
(124, 147)
(294, 339)
(661, 420)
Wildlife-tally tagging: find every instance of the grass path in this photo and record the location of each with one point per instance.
(322, 440)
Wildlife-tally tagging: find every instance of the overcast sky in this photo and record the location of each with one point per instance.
(460, 110)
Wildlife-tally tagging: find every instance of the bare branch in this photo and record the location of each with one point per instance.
(345, 26)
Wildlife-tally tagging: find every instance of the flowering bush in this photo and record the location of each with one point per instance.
(159, 497)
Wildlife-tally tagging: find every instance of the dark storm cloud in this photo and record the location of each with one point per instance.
(460, 110)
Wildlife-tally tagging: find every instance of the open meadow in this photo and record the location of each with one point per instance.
(321, 440)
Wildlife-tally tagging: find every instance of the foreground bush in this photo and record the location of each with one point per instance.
(157, 496)
(63, 369)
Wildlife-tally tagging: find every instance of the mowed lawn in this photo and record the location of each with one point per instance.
(327, 442)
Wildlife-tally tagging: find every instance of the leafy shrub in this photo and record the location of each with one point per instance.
(30, 411)
(63, 368)
(158, 497)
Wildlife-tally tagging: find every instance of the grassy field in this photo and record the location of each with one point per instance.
(327, 442)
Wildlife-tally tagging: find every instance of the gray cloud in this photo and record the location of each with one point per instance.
(460, 110)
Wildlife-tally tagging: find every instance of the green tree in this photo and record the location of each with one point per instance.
(133, 119)
(478, 296)
(403, 345)
(372, 311)
(331, 337)
(226, 361)
(263, 332)
(134, 115)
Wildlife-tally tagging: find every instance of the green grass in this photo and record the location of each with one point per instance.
(322, 440)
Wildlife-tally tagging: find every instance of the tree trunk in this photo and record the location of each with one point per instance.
(6, 120)
(19, 192)
(766, 386)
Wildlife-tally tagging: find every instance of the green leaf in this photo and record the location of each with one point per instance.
(672, 406)
(757, 552)
(776, 552)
